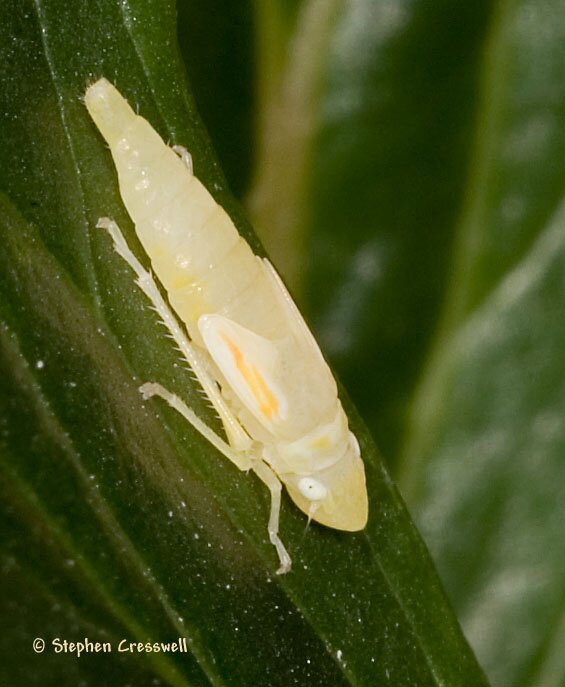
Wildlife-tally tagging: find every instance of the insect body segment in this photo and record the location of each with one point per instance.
(247, 343)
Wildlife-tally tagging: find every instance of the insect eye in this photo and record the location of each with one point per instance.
(311, 489)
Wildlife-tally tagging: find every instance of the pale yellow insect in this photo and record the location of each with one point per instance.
(247, 343)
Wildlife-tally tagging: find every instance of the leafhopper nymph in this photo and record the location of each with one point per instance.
(241, 332)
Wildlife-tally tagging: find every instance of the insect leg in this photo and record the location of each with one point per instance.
(241, 459)
(237, 436)
(185, 156)
(244, 461)
(239, 441)
(272, 482)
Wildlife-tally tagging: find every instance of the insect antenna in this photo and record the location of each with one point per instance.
(311, 511)
(306, 528)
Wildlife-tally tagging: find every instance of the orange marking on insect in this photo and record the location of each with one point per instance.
(268, 404)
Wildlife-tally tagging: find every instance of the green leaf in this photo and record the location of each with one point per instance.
(484, 458)
(372, 141)
(488, 469)
(386, 180)
(118, 521)
(426, 198)
(217, 43)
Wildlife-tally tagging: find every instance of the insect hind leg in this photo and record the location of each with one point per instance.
(237, 437)
(237, 451)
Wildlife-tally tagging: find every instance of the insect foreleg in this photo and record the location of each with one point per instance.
(237, 437)
(242, 460)
(185, 156)
(272, 482)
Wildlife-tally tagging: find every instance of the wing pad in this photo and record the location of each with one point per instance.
(251, 365)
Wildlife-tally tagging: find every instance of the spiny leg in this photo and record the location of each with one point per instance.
(272, 482)
(237, 437)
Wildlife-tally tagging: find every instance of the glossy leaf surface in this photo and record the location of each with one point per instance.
(118, 521)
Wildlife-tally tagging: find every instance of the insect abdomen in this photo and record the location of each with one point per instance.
(194, 247)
